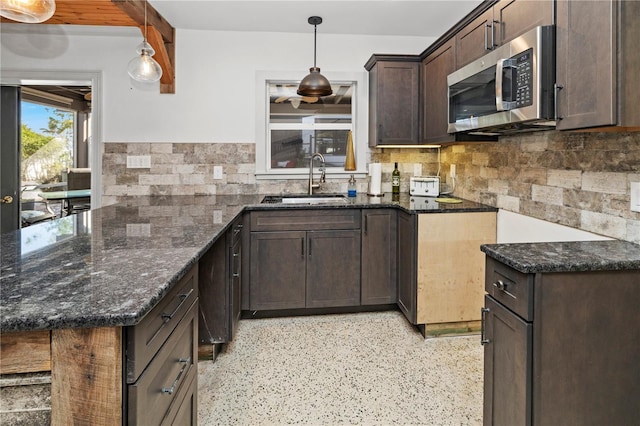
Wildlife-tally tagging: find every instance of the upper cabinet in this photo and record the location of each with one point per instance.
(503, 22)
(393, 99)
(434, 93)
(597, 58)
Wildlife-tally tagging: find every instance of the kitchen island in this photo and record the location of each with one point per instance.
(561, 333)
(90, 281)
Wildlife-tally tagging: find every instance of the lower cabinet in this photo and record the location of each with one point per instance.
(304, 259)
(557, 347)
(161, 357)
(379, 251)
(441, 268)
(220, 283)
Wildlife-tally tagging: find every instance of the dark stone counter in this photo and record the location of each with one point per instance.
(110, 266)
(574, 256)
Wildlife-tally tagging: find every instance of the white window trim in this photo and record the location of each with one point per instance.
(360, 120)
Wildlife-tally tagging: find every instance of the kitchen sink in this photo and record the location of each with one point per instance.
(306, 199)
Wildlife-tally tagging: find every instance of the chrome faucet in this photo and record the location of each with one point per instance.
(322, 168)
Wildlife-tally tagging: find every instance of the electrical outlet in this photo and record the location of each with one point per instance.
(452, 171)
(635, 196)
(217, 172)
(138, 161)
(217, 216)
(417, 169)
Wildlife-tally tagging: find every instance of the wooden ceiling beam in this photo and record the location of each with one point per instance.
(123, 13)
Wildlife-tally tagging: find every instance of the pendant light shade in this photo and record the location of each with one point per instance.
(314, 84)
(143, 67)
(27, 11)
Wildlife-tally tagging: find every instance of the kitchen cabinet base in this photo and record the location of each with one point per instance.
(317, 311)
(449, 328)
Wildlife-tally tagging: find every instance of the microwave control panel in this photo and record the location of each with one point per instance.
(524, 81)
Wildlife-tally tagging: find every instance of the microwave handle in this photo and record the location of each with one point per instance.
(501, 103)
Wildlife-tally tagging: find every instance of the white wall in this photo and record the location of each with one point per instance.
(517, 228)
(215, 74)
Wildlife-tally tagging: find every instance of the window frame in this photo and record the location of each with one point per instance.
(359, 123)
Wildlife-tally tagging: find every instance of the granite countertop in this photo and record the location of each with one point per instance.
(110, 266)
(575, 256)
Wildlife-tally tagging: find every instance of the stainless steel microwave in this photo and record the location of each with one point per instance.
(509, 90)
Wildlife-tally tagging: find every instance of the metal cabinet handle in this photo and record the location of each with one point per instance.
(167, 317)
(556, 88)
(235, 275)
(366, 223)
(483, 312)
(186, 362)
(500, 285)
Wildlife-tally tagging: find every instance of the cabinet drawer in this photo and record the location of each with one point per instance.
(305, 220)
(144, 339)
(511, 288)
(160, 386)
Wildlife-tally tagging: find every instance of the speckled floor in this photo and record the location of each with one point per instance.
(355, 369)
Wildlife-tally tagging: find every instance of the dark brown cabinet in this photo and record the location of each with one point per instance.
(506, 20)
(304, 259)
(475, 39)
(379, 251)
(161, 356)
(435, 93)
(220, 282)
(393, 99)
(278, 270)
(597, 62)
(407, 265)
(558, 347)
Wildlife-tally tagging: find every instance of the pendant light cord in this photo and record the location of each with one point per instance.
(145, 19)
(315, 32)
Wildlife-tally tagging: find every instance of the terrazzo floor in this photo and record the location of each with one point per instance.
(354, 369)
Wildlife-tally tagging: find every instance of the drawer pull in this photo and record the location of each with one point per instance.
(235, 275)
(186, 362)
(483, 312)
(500, 285)
(184, 296)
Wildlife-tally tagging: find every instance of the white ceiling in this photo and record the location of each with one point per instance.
(423, 18)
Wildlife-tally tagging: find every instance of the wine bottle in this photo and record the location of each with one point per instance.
(395, 180)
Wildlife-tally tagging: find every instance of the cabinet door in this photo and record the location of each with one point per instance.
(213, 283)
(585, 52)
(507, 367)
(333, 268)
(407, 265)
(435, 93)
(475, 39)
(515, 17)
(278, 273)
(235, 277)
(397, 103)
(379, 257)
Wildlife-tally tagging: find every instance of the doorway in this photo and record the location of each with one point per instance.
(72, 134)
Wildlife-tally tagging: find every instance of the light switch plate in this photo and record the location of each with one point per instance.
(217, 172)
(138, 161)
(217, 216)
(417, 169)
(635, 196)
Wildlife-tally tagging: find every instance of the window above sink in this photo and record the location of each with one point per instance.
(291, 127)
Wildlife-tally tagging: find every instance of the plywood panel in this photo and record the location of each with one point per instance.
(25, 352)
(451, 265)
(86, 378)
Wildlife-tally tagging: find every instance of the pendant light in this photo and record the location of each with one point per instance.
(27, 11)
(314, 84)
(143, 67)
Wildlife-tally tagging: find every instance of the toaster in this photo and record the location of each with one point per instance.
(424, 186)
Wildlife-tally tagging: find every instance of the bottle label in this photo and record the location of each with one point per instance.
(395, 181)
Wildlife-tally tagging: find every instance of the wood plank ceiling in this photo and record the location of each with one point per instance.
(123, 13)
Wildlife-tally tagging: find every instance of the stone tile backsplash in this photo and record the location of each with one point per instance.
(576, 179)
